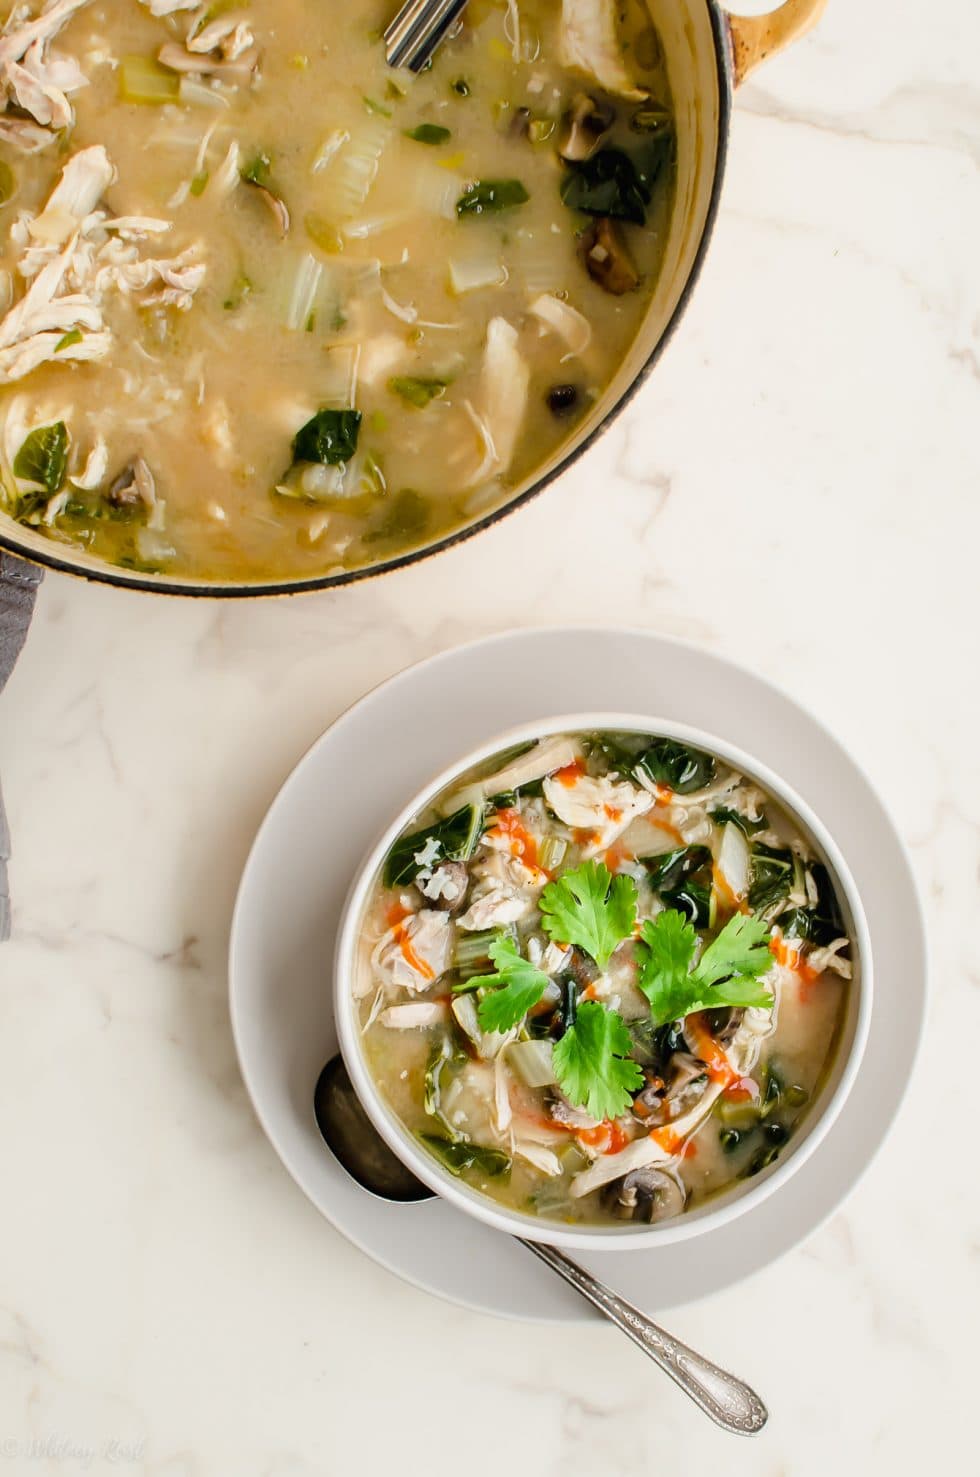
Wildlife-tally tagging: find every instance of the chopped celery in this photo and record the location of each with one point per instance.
(471, 951)
(470, 273)
(532, 1061)
(143, 80)
(551, 853)
(323, 234)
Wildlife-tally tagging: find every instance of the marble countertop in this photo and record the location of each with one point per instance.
(796, 487)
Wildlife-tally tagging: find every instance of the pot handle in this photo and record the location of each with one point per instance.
(754, 38)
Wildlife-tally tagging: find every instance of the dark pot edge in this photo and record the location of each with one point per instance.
(113, 576)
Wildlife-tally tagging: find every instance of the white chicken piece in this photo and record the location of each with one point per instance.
(416, 1015)
(504, 890)
(72, 258)
(34, 327)
(502, 400)
(589, 43)
(84, 180)
(25, 136)
(416, 952)
(228, 34)
(32, 80)
(161, 8)
(599, 804)
(180, 276)
(93, 474)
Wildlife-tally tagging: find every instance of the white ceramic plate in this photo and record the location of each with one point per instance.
(362, 771)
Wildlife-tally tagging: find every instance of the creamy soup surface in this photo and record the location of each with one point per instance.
(603, 979)
(274, 309)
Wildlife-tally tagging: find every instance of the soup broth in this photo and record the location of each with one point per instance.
(273, 309)
(603, 979)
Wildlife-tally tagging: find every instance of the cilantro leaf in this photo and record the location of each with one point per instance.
(521, 986)
(742, 947)
(727, 973)
(592, 1063)
(590, 908)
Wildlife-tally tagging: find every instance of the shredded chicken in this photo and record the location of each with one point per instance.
(589, 43)
(413, 954)
(33, 79)
(603, 806)
(73, 255)
(504, 890)
(502, 402)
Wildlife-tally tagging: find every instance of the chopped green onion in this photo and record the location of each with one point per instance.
(258, 171)
(200, 183)
(461, 87)
(418, 391)
(373, 106)
(471, 951)
(428, 133)
(73, 336)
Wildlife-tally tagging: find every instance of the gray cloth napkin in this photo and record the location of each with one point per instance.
(18, 586)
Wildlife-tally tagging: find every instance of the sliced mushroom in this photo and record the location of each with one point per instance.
(723, 1025)
(583, 970)
(607, 258)
(177, 58)
(277, 207)
(586, 124)
(134, 485)
(647, 1195)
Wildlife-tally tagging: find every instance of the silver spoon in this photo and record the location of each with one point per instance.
(357, 1145)
(417, 30)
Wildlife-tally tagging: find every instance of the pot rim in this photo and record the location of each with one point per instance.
(728, 1207)
(109, 574)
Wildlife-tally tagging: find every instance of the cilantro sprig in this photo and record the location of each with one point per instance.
(590, 908)
(726, 974)
(592, 1062)
(515, 988)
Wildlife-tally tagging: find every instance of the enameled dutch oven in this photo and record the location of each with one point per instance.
(708, 53)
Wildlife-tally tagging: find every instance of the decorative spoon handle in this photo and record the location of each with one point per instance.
(729, 1402)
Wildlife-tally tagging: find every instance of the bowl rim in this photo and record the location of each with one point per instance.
(725, 1207)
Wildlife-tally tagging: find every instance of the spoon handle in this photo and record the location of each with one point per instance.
(728, 1401)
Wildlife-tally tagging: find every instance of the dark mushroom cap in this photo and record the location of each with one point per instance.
(646, 1195)
(586, 122)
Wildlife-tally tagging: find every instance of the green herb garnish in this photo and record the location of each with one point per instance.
(592, 1062)
(453, 839)
(258, 171)
(458, 1155)
(677, 766)
(43, 457)
(329, 438)
(418, 391)
(590, 908)
(429, 133)
(492, 195)
(726, 974)
(515, 988)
